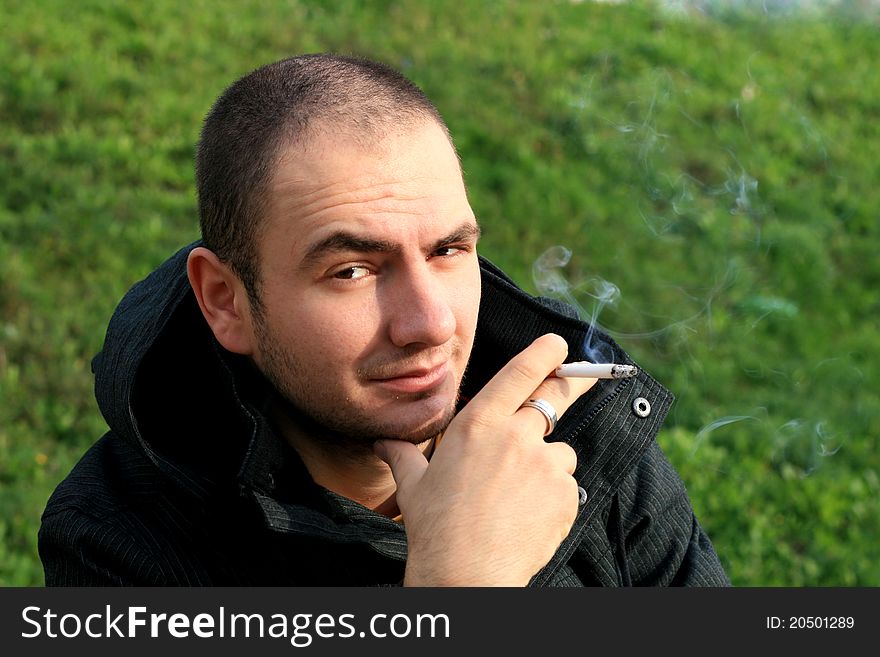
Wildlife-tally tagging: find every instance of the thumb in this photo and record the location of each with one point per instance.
(406, 461)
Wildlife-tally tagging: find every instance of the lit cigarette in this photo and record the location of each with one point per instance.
(597, 370)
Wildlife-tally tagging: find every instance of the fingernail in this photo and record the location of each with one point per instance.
(562, 341)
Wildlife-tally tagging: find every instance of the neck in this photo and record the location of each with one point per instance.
(351, 470)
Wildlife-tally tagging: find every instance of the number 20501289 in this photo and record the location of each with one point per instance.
(810, 623)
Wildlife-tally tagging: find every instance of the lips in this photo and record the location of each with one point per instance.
(416, 380)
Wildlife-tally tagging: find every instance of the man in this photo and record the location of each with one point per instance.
(332, 388)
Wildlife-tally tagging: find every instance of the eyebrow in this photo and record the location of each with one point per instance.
(346, 242)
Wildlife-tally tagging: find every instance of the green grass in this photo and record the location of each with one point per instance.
(719, 169)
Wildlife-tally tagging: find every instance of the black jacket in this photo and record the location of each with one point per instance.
(191, 485)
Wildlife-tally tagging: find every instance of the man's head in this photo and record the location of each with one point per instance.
(341, 246)
(277, 107)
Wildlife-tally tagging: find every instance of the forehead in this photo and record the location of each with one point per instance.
(404, 181)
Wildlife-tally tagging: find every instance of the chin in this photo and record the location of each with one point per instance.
(419, 433)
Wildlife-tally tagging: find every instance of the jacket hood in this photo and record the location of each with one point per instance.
(138, 321)
(162, 383)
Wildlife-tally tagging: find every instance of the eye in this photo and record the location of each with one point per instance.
(352, 273)
(446, 251)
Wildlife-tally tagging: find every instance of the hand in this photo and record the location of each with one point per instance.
(496, 500)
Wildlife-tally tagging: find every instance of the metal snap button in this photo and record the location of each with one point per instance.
(641, 407)
(582, 496)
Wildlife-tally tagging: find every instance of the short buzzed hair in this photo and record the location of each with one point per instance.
(266, 112)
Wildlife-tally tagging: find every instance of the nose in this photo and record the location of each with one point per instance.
(420, 310)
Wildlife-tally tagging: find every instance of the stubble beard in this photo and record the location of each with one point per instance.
(340, 428)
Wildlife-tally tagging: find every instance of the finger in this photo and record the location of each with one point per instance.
(559, 393)
(406, 461)
(563, 455)
(517, 380)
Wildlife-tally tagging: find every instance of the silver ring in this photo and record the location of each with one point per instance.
(546, 409)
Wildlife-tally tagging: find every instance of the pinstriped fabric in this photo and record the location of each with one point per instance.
(662, 529)
(121, 530)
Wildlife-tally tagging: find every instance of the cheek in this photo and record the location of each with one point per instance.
(322, 331)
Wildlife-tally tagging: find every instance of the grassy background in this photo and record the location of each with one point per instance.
(718, 167)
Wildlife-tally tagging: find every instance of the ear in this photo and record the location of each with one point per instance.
(222, 299)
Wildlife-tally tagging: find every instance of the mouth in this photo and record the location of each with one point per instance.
(416, 380)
